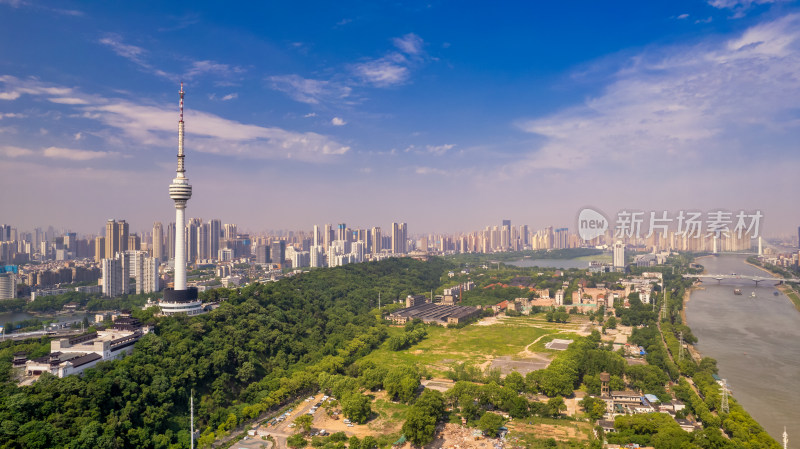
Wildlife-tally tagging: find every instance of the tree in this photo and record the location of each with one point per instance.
(594, 407)
(354, 443)
(369, 442)
(515, 382)
(297, 440)
(304, 422)
(419, 427)
(490, 424)
(556, 405)
(357, 407)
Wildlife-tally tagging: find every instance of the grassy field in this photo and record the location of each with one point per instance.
(474, 344)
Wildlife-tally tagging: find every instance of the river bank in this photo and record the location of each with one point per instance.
(755, 340)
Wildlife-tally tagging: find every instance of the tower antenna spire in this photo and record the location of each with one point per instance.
(180, 169)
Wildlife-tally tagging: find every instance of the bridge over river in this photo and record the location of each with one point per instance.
(756, 279)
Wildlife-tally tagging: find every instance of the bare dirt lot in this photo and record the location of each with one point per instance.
(506, 364)
(452, 436)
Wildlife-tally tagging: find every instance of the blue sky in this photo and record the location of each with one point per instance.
(448, 115)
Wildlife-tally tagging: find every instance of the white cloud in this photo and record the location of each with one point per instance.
(440, 149)
(9, 151)
(683, 16)
(394, 68)
(732, 4)
(336, 121)
(384, 72)
(142, 124)
(307, 90)
(78, 136)
(127, 51)
(68, 100)
(410, 44)
(681, 106)
(199, 68)
(16, 87)
(230, 96)
(310, 114)
(11, 115)
(75, 155)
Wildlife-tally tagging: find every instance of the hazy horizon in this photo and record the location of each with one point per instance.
(372, 113)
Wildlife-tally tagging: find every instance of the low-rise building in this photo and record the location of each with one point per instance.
(72, 355)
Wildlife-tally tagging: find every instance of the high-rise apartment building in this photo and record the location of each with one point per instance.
(115, 276)
(376, 240)
(99, 248)
(112, 238)
(399, 238)
(134, 242)
(316, 237)
(619, 254)
(191, 233)
(170, 241)
(214, 234)
(8, 285)
(158, 242)
(327, 234)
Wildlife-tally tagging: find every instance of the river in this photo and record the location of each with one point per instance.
(6, 317)
(755, 340)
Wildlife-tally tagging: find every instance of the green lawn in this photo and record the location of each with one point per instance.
(475, 344)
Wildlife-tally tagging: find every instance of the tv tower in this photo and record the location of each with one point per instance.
(180, 299)
(180, 191)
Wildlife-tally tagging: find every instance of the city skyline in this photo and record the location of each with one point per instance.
(377, 114)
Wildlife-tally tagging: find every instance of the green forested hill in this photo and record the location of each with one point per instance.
(265, 343)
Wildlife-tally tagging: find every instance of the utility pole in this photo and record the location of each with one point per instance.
(191, 419)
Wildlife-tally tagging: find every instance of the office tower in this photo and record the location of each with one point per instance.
(5, 233)
(327, 233)
(399, 238)
(619, 254)
(377, 240)
(341, 232)
(278, 251)
(262, 254)
(798, 236)
(99, 248)
(112, 238)
(316, 238)
(180, 299)
(214, 233)
(158, 242)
